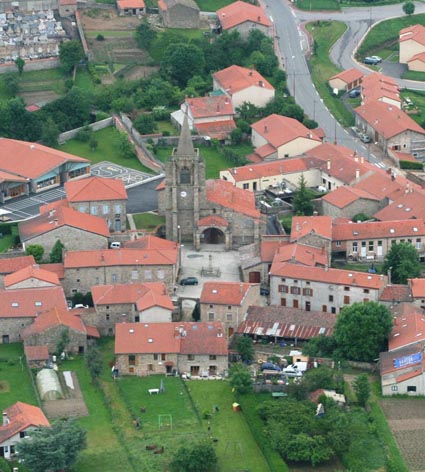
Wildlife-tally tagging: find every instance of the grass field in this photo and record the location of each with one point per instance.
(212, 5)
(318, 4)
(107, 150)
(148, 221)
(325, 34)
(50, 79)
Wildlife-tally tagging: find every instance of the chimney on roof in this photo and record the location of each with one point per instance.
(36, 266)
(51, 213)
(5, 418)
(328, 165)
(250, 73)
(241, 288)
(261, 83)
(226, 100)
(258, 18)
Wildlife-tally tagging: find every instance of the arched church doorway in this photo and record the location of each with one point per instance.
(213, 236)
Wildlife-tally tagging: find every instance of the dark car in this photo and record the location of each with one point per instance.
(189, 281)
(270, 366)
(354, 93)
(264, 291)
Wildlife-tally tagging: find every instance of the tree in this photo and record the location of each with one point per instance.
(361, 388)
(126, 148)
(35, 250)
(236, 136)
(53, 449)
(322, 377)
(240, 378)
(302, 200)
(20, 63)
(200, 457)
(145, 124)
(409, 8)
(183, 61)
(245, 348)
(70, 54)
(403, 262)
(49, 133)
(320, 346)
(62, 342)
(361, 331)
(56, 254)
(93, 360)
(145, 35)
(11, 83)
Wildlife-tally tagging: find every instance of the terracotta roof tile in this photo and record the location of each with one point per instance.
(198, 338)
(240, 12)
(123, 4)
(150, 242)
(36, 353)
(329, 276)
(210, 106)
(21, 416)
(278, 130)
(378, 87)
(56, 268)
(417, 287)
(62, 217)
(395, 293)
(287, 322)
(348, 76)
(56, 317)
(116, 257)
(344, 196)
(408, 329)
(95, 189)
(300, 254)
(13, 264)
(409, 205)
(380, 184)
(32, 160)
(226, 293)
(29, 302)
(8, 177)
(378, 229)
(216, 129)
(213, 220)
(31, 272)
(235, 78)
(414, 33)
(269, 249)
(225, 194)
(304, 225)
(145, 296)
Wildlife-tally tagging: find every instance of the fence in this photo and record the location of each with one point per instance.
(67, 135)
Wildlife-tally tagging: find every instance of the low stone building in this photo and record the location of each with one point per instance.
(49, 327)
(131, 7)
(346, 80)
(138, 303)
(36, 356)
(199, 349)
(183, 14)
(244, 17)
(32, 276)
(8, 265)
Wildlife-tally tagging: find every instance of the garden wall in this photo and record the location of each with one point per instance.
(38, 64)
(67, 135)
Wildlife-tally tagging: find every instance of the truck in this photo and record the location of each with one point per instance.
(296, 369)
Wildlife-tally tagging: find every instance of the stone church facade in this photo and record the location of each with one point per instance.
(201, 211)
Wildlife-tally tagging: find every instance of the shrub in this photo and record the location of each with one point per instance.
(411, 165)
(100, 37)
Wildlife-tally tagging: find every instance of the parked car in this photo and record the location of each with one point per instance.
(364, 138)
(354, 93)
(295, 370)
(372, 60)
(80, 305)
(264, 291)
(189, 281)
(270, 366)
(377, 58)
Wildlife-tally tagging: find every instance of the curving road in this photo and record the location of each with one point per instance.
(293, 44)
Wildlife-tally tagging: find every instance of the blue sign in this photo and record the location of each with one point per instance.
(407, 360)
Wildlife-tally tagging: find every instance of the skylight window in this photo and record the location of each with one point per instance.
(415, 229)
(292, 327)
(392, 230)
(15, 304)
(322, 330)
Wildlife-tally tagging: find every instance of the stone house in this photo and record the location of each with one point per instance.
(408, 204)
(322, 289)
(49, 327)
(346, 202)
(8, 265)
(32, 276)
(243, 85)
(73, 229)
(131, 7)
(227, 302)
(346, 80)
(85, 269)
(314, 231)
(19, 308)
(371, 241)
(244, 17)
(129, 303)
(183, 14)
(18, 421)
(98, 196)
(411, 44)
(279, 137)
(165, 348)
(36, 356)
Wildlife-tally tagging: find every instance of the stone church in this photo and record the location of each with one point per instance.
(201, 211)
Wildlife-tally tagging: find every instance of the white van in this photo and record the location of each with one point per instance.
(115, 245)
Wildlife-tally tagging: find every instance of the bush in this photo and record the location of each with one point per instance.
(84, 135)
(100, 37)
(411, 165)
(5, 228)
(4, 465)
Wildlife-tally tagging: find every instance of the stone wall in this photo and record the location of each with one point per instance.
(37, 64)
(204, 362)
(13, 326)
(368, 207)
(145, 364)
(29, 5)
(181, 16)
(50, 337)
(67, 135)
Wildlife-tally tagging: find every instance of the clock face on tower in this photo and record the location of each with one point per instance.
(183, 194)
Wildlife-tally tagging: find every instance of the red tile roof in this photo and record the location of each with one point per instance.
(278, 130)
(349, 76)
(210, 106)
(213, 220)
(62, 217)
(283, 322)
(378, 229)
(408, 329)
(117, 257)
(216, 129)
(300, 254)
(417, 287)
(170, 338)
(387, 120)
(57, 317)
(304, 225)
(95, 189)
(13, 264)
(150, 242)
(226, 195)
(53, 206)
(377, 87)
(8, 177)
(344, 196)
(329, 276)
(123, 4)
(144, 296)
(269, 248)
(56, 268)
(36, 353)
(395, 293)
(226, 293)
(240, 12)
(32, 160)
(21, 416)
(414, 33)
(417, 57)
(409, 205)
(31, 272)
(29, 302)
(235, 78)
(33, 106)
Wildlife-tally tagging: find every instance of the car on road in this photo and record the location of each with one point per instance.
(364, 138)
(189, 281)
(372, 60)
(354, 93)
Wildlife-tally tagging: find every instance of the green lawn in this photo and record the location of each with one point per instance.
(148, 221)
(50, 79)
(357, 266)
(236, 447)
(6, 242)
(83, 80)
(15, 379)
(110, 34)
(418, 99)
(107, 150)
(325, 34)
(318, 4)
(212, 5)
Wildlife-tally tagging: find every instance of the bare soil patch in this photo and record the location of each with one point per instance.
(103, 20)
(41, 98)
(406, 418)
(4, 386)
(140, 72)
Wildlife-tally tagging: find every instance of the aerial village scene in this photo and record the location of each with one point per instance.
(212, 235)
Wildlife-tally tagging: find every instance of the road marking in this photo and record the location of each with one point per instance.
(293, 14)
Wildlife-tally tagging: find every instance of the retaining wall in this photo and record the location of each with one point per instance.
(67, 135)
(37, 64)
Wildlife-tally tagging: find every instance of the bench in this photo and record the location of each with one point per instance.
(279, 394)
(153, 390)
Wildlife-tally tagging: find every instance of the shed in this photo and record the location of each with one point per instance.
(48, 385)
